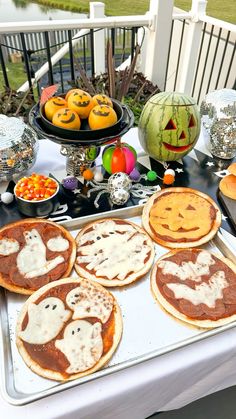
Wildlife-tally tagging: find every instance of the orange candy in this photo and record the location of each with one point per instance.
(35, 187)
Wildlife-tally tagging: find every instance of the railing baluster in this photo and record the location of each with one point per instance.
(113, 41)
(61, 76)
(170, 44)
(179, 54)
(213, 61)
(206, 59)
(222, 59)
(50, 72)
(72, 70)
(26, 59)
(230, 66)
(92, 52)
(84, 53)
(4, 71)
(133, 36)
(199, 58)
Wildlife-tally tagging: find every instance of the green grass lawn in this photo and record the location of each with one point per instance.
(225, 10)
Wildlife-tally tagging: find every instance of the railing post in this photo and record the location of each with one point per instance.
(158, 41)
(192, 46)
(97, 10)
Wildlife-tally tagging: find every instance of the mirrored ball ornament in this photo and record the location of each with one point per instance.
(119, 196)
(218, 112)
(119, 180)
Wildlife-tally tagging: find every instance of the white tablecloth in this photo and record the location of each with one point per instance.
(168, 382)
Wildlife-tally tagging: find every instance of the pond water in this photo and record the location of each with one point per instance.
(19, 10)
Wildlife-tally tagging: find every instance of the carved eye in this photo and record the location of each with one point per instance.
(170, 125)
(54, 307)
(47, 306)
(78, 330)
(73, 332)
(192, 122)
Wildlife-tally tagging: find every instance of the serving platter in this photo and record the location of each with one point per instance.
(149, 332)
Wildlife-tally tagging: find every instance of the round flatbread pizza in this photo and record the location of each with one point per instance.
(181, 217)
(113, 252)
(196, 286)
(68, 329)
(34, 252)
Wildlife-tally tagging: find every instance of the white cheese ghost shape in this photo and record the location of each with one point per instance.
(31, 260)
(82, 345)
(90, 301)
(46, 320)
(8, 246)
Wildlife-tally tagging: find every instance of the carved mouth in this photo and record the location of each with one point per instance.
(72, 118)
(177, 149)
(81, 104)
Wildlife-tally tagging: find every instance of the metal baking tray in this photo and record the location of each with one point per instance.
(148, 331)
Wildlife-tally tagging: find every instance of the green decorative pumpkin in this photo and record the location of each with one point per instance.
(169, 126)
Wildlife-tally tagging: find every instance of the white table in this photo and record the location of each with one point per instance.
(168, 382)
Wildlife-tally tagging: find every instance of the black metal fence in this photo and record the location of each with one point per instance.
(35, 49)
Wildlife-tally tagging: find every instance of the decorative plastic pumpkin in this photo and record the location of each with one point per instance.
(120, 157)
(52, 105)
(169, 126)
(102, 116)
(66, 118)
(80, 102)
(101, 99)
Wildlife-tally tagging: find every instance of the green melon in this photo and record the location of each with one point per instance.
(169, 126)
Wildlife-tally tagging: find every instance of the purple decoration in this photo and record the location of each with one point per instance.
(70, 182)
(134, 174)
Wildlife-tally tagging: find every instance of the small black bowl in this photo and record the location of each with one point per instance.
(40, 208)
(84, 133)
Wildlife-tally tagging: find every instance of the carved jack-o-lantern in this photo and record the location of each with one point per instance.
(80, 102)
(66, 118)
(52, 105)
(102, 116)
(169, 126)
(101, 99)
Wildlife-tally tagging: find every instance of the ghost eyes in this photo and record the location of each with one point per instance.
(171, 125)
(53, 307)
(73, 332)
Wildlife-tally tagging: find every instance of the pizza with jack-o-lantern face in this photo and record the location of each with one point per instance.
(181, 217)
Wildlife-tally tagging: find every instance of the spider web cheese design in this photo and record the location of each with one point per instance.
(113, 250)
(196, 286)
(68, 329)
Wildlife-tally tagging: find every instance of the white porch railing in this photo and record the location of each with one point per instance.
(188, 52)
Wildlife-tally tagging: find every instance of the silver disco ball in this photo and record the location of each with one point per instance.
(218, 112)
(18, 147)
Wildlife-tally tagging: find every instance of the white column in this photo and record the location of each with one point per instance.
(97, 10)
(158, 41)
(192, 46)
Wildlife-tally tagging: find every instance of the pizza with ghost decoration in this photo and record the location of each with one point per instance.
(34, 252)
(68, 329)
(113, 252)
(196, 286)
(181, 217)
